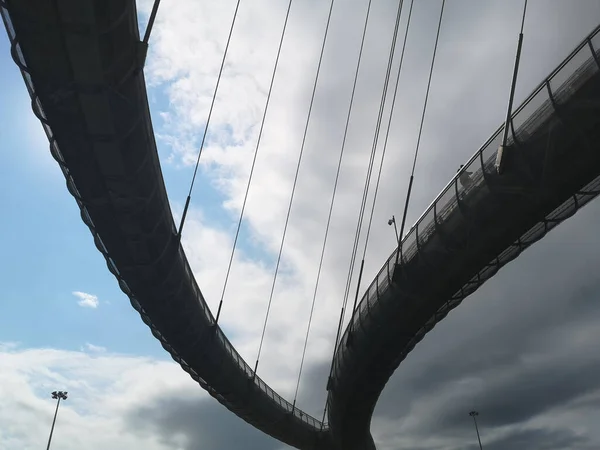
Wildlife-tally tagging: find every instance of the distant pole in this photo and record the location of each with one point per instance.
(474, 414)
(56, 395)
(392, 221)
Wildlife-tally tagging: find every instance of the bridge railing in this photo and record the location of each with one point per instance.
(244, 366)
(557, 88)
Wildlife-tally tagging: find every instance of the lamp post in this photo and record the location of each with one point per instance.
(392, 221)
(474, 414)
(57, 395)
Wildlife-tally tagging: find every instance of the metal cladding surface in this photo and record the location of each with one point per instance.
(82, 62)
(484, 219)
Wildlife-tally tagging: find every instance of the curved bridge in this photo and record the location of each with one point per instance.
(82, 63)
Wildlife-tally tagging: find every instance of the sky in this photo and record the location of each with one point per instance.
(522, 350)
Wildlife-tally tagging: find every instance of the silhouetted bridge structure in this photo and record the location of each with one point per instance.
(82, 62)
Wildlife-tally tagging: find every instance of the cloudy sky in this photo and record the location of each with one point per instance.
(522, 351)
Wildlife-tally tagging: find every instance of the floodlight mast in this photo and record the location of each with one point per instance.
(474, 414)
(57, 395)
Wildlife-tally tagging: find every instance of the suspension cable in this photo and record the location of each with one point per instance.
(384, 151)
(373, 151)
(294, 187)
(212, 104)
(387, 133)
(262, 124)
(335, 185)
(514, 78)
(414, 165)
(523, 19)
(352, 259)
(151, 21)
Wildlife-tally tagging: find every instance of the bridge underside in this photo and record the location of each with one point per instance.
(551, 169)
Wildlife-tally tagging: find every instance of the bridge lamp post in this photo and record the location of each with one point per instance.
(474, 415)
(392, 221)
(57, 395)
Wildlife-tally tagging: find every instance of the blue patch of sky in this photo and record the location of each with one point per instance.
(206, 196)
(178, 177)
(47, 251)
(252, 247)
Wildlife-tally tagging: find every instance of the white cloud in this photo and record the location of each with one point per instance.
(94, 348)
(86, 300)
(102, 389)
(107, 393)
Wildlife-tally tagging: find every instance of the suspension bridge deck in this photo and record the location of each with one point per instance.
(479, 223)
(82, 63)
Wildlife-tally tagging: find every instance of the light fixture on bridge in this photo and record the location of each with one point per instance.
(392, 221)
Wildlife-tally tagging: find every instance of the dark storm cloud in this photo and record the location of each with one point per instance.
(517, 394)
(519, 349)
(205, 424)
(505, 341)
(312, 392)
(540, 439)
